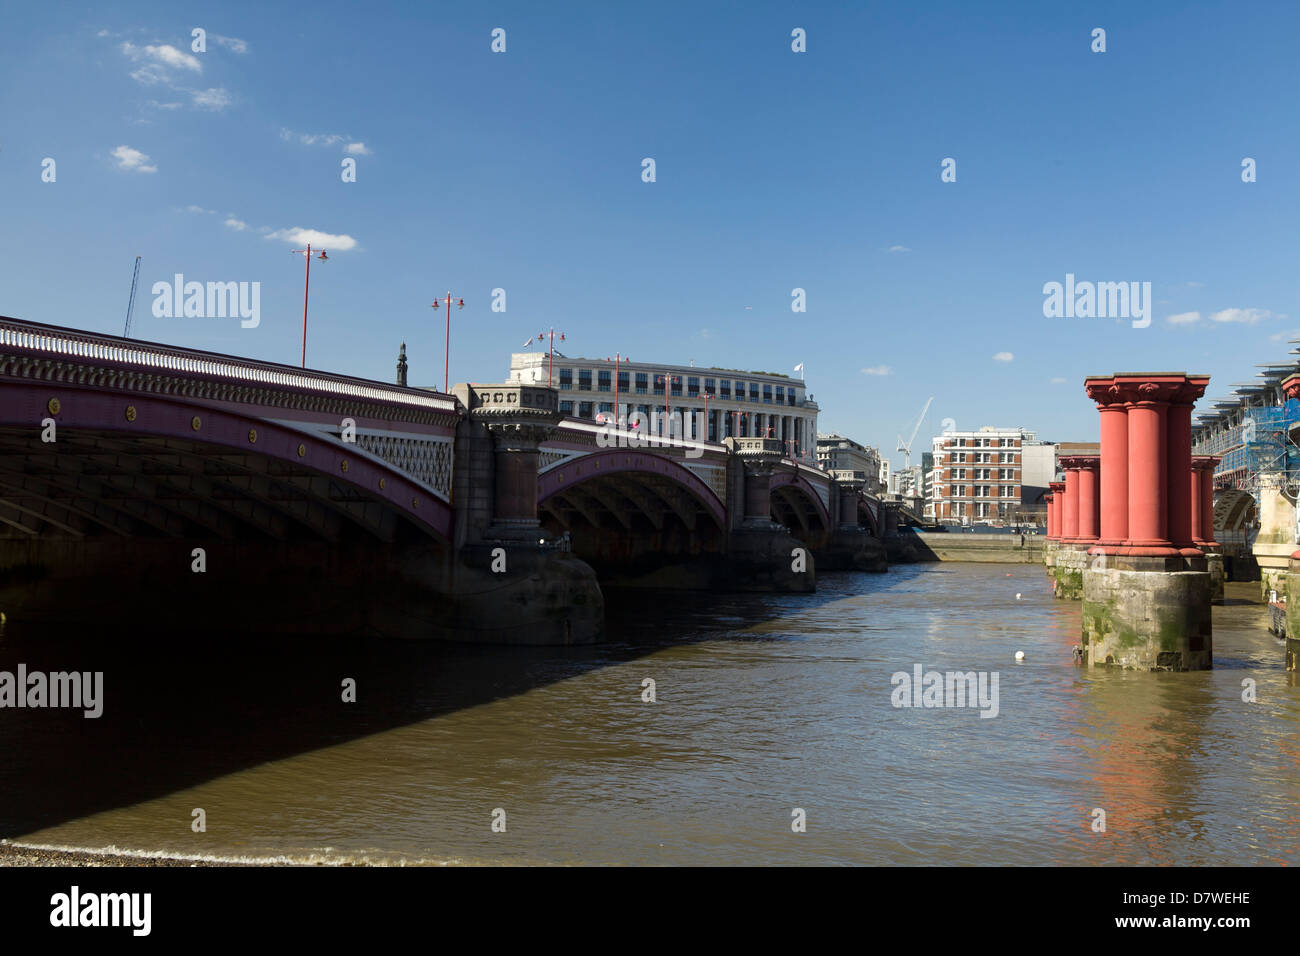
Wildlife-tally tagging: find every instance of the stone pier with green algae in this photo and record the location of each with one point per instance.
(1070, 561)
(1293, 613)
(1148, 613)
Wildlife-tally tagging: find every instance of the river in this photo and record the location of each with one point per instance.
(766, 705)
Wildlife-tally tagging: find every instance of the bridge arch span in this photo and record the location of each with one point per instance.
(797, 505)
(627, 512)
(144, 464)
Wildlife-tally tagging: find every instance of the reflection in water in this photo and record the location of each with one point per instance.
(765, 703)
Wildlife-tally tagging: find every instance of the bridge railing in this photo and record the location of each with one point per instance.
(35, 338)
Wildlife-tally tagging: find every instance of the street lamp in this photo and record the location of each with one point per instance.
(550, 353)
(668, 381)
(446, 355)
(617, 360)
(306, 253)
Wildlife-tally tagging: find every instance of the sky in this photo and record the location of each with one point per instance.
(774, 170)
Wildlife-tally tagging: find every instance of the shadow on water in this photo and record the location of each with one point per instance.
(179, 709)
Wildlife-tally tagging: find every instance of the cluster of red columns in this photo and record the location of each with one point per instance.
(1145, 494)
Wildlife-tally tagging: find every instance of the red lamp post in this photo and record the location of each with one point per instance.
(446, 355)
(668, 381)
(306, 284)
(550, 353)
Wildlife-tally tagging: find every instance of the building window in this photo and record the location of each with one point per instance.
(659, 385)
(623, 381)
(709, 387)
(566, 381)
(767, 394)
(753, 392)
(602, 380)
(692, 386)
(726, 390)
(789, 397)
(584, 408)
(584, 381)
(642, 383)
(566, 408)
(676, 381)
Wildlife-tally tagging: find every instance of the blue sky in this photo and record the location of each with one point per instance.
(775, 170)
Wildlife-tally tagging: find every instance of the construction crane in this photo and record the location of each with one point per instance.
(906, 447)
(130, 306)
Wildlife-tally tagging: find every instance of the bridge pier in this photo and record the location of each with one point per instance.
(1147, 591)
(762, 555)
(850, 547)
(513, 582)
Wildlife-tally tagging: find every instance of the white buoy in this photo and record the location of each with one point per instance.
(1017, 595)
(1020, 655)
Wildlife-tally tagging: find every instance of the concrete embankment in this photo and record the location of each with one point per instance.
(985, 548)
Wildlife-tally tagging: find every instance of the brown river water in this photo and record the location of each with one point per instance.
(764, 705)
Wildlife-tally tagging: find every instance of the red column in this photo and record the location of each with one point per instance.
(1206, 470)
(1178, 461)
(1051, 516)
(1089, 500)
(1113, 486)
(1070, 526)
(1056, 509)
(1197, 505)
(1147, 505)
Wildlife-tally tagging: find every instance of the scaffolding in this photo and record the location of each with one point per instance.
(1255, 444)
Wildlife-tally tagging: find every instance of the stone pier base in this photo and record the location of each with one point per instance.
(768, 559)
(1292, 584)
(1067, 572)
(1218, 574)
(853, 551)
(1138, 616)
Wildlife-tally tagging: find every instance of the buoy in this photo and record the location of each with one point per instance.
(1020, 655)
(1017, 595)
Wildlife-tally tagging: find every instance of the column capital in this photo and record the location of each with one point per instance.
(1058, 487)
(1180, 388)
(1080, 462)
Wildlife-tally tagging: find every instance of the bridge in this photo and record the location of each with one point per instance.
(156, 487)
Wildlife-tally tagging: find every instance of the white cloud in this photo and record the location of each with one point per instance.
(213, 99)
(1003, 357)
(128, 158)
(356, 149)
(878, 370)
(236, 224)
(1246, 316)
(1058, 380)
(1184, 318)
(899, 249)
(321, 240)
(1290, 336)
(311, 139)
(1196, 285)
(234, 44)
(163, 55)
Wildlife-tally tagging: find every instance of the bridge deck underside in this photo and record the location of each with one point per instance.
(629, 514)
(89, 483)
(795, 509)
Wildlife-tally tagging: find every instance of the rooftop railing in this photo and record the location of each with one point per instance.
(17, 336)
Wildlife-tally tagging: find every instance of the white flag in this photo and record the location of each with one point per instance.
(799, 367)
(528, 342)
